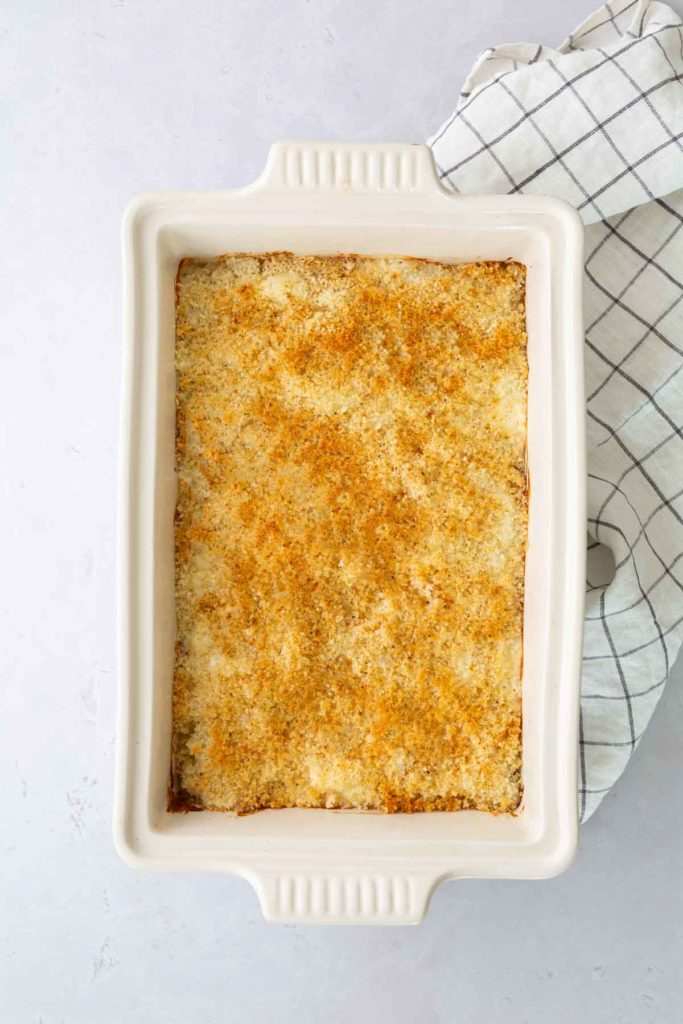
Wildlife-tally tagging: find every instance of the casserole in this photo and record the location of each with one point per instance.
(347, 866)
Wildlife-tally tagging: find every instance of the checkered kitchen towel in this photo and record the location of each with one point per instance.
(599, 122)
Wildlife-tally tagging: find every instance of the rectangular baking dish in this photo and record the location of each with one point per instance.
(326, 866)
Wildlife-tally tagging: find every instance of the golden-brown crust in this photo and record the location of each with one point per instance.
(350, 533)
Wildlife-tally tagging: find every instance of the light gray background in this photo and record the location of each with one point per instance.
(101, 101)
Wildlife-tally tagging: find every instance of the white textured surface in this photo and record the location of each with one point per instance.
(102, 101)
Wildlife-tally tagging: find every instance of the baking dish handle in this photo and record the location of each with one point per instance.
(350, 168)
(343, 897)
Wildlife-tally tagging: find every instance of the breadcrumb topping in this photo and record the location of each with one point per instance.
(350, 533)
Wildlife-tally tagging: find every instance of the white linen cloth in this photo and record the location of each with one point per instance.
(599, 122)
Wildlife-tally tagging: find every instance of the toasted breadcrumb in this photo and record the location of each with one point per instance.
(350, 533)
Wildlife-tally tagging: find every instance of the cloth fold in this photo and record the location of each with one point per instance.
(599, 123)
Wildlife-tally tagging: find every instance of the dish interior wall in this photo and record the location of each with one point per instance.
(525, 244)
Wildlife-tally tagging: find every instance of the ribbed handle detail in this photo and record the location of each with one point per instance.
(347, 167)
(340, 899)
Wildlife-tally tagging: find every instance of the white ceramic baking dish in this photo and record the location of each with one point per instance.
(341, 866)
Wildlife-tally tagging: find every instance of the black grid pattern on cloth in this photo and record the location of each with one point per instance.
(599, 122)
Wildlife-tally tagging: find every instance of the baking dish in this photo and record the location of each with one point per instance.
(327, 866)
